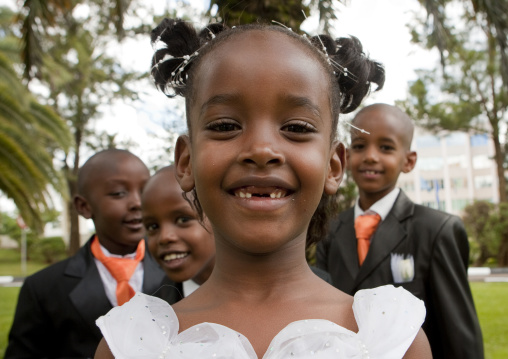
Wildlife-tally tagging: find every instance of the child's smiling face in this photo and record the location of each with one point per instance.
(176, 238)
(260, 150)
(377, 158)
(113, 200)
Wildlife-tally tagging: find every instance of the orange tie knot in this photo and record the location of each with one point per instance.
(365, 226)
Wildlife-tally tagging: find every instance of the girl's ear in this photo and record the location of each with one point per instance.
(82, 206)
(335, 168)
(183, 164)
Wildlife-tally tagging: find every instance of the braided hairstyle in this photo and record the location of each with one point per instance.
(180, 48)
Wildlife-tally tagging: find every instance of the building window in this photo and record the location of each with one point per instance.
(433, 204)
(427, 141)
(456, 139)
(479, 140)
(481, 161)
(459, 183)
(457, 161)
(430, 163)
(459, 204)
(407, 186)
(483, 182)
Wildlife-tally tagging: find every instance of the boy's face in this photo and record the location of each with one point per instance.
(176, 239)
(260, 146)
(377, 159)
(113, 201)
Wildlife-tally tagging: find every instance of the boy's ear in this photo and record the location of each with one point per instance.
(82, 206)
(410, 162)
(183, 163)
(335, 168)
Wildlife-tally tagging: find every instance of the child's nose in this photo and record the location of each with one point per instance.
(168, 235)
(262, 150)
(135, 200)
(371, 154)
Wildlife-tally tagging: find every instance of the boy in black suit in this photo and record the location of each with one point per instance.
(424, 250)
(57, 307)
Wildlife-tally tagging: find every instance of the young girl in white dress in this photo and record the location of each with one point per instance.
(262, 160)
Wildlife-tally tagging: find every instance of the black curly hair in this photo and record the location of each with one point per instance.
(351, 75)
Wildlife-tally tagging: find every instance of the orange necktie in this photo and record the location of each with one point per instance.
(121, 269)
(365, 226)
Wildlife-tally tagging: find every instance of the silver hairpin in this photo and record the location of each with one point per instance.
(357, 128)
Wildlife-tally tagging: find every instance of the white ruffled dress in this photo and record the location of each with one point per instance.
(147, 327)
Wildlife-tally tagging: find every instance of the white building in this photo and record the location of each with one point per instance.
(451, 171)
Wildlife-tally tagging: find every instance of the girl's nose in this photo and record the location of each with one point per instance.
(262, 149)
(167, 235)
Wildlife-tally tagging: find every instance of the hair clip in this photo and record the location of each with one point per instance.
(357, 128)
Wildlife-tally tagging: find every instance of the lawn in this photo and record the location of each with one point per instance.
(10, 263)
(490, 301)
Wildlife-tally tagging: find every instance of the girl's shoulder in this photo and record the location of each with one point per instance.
(388, 319)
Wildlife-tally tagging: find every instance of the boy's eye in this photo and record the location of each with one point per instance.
(357, 146)
(151, 227)
(299, 127)
(117, 193)
(223, 126)
(386, 148)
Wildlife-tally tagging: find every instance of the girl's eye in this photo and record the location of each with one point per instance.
(117, 193)
(356, 147)
(299, 127)
(183, 220)
(223, 126)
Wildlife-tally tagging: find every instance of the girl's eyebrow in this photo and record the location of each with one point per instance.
(301, 101)
(287, 99)
(218, 100)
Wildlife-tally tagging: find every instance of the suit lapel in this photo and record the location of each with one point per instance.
(346, 242)
(88, 297)
(387, 237)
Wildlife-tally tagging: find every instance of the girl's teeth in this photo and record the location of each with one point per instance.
(172, 256)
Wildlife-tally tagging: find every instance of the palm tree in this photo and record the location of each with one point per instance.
(29, 133)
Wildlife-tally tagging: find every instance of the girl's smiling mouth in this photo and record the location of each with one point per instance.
(260, 192)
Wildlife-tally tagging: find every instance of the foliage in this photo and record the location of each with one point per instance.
(467, 93)
(49, 250)
(70, 49)
(30, 135)
(479, 221)
(290, 13)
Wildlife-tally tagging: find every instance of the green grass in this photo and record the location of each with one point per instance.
(8, 300)
(10, 263)
(490, 301)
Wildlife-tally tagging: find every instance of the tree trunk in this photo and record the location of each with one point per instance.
(75, 237)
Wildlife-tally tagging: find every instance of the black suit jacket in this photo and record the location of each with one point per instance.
(440, 248)
(57, 307)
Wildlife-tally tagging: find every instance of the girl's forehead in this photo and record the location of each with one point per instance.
(272, 55)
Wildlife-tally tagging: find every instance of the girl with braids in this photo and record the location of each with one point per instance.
(262, 161)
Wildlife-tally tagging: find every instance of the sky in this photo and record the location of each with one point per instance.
(381, 26)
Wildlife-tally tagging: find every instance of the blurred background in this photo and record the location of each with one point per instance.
(74, 80)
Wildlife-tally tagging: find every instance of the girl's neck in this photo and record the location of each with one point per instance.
(259, 274)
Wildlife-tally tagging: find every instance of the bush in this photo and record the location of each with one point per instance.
(50, 249)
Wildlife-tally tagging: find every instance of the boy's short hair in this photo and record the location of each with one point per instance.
(91, 163)
(405, 121)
